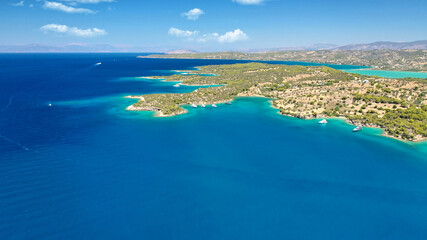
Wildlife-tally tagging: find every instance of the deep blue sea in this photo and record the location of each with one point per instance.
(87, 169)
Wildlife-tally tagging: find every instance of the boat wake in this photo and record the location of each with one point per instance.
(14, 143)
(8, 104)
(38, 85)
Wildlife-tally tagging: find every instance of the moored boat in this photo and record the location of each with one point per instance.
(357, 129)
(323, 121)
(193, 105)
(214, 105)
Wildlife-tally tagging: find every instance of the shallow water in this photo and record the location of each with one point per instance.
(86, 168)
(389, 74)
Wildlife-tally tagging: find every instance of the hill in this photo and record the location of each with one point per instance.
(386, 45)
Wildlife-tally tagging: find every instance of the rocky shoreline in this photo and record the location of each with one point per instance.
(306, 93)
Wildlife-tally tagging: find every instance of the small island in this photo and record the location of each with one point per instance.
(399, 106)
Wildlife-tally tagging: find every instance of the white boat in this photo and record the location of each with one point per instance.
(357, 129)
(176, 85)
(98, 63)
(323, 121)
(193, 105)
(203, 105)
(214, 105)
(50, 104)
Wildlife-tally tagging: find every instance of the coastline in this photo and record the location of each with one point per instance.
(348, 121)
(173, 105)
(375, 68)
(384, 59)
(360, 67)
(159, 113)
(375, 72)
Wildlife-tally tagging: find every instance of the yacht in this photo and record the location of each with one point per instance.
(176, 85)
(228, 103)
(357, 129)
(214, 105)
(323, 121)
(203, 105)
(193, 105)
(98, 63)
(50, 104)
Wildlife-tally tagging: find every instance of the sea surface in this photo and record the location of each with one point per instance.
(85, 168)
(389, 74)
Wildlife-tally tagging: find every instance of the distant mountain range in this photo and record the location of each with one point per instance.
(419, 45)
(77, 47)
(386, 45)
(317, 46)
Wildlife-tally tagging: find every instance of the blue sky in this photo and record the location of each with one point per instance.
(210, 24)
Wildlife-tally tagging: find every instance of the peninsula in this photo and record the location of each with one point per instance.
(399, 106)
(383, 59)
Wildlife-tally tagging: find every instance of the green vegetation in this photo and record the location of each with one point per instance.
(401, 123)
(374, 98)
(396, 105)
(403, 60)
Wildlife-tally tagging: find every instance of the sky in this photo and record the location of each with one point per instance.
(209, 25)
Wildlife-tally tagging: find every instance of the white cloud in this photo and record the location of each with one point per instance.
(234, 36)
(64, 29)
(88, 1)
(182, 33)
(18, 4)
(249, 2)
(228, 37)
(64, 8)
(193, 14)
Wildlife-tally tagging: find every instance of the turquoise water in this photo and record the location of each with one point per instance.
(87, 169)
(389, 74)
